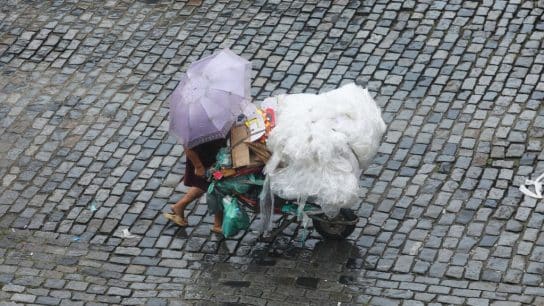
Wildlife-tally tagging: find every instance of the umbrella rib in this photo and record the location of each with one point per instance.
(189, 125)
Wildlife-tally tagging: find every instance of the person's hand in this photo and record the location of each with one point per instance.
(200, 171)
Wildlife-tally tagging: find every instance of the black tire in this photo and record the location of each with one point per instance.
(336, 231)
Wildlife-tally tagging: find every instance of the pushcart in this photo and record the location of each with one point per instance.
(339, 227)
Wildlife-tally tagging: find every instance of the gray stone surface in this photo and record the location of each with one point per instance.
(85, 152)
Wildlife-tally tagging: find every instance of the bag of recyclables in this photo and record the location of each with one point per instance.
(320, 145)
(235, 218)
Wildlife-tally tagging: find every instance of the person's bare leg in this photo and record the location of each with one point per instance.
(192, 194)
(217, 222)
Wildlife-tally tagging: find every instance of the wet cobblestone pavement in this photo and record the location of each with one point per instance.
(85, 153)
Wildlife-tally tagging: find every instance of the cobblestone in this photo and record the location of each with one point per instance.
(83, 122)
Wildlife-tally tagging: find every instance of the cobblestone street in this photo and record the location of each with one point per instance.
(85, 152)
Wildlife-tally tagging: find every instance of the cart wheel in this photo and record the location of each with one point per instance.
(330, 230)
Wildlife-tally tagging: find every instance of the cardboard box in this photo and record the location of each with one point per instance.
(241, 155)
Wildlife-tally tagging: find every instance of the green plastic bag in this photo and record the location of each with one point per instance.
(235, 218)
(292, 208)
(223, 159)
(214, 200)
(237, 184)
(229, 186)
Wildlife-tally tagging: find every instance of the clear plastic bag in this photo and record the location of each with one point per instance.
(320, 145)
(266, 206)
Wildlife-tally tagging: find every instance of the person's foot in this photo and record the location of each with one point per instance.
(175, 218)
(217, 230)
(177, 211)
(180, 216)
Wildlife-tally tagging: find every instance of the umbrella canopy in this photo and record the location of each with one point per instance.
(212, 94)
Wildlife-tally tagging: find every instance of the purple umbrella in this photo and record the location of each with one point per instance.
(209, 98)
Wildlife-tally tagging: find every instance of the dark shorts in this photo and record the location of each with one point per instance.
(207, 153)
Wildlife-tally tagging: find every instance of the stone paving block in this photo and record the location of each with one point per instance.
(86, 119)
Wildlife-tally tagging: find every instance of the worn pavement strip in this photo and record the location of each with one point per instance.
(83, 124)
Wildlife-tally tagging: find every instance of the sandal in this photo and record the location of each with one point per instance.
(176, 219)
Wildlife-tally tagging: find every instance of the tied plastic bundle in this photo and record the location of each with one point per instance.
(320, 145)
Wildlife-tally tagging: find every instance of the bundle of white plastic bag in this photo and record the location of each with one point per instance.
(320, 145)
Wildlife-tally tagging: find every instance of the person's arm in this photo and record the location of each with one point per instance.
(193, 157)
